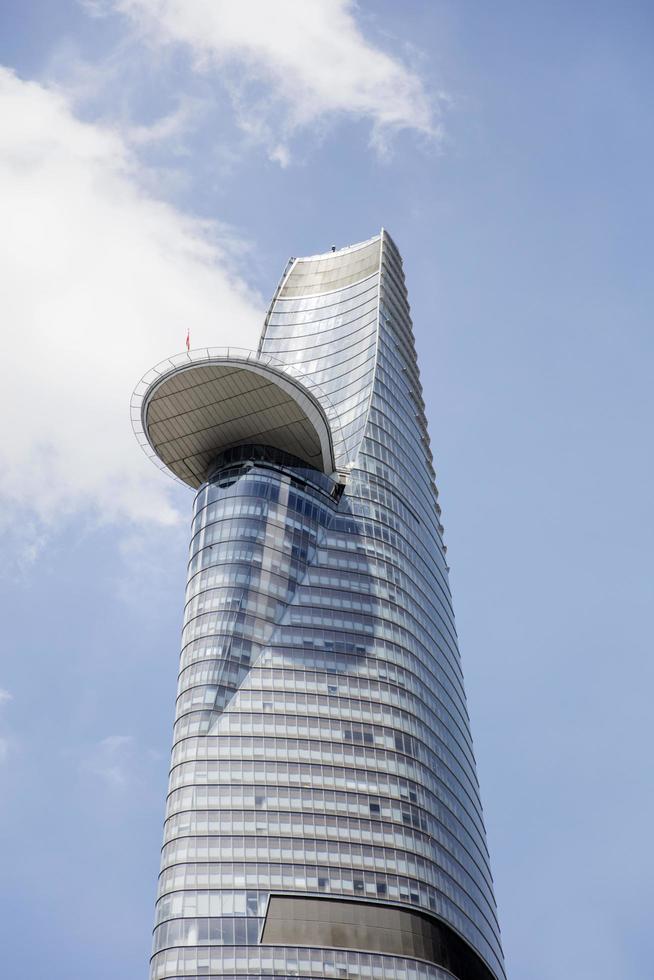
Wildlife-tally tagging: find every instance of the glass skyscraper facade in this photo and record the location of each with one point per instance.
(323, 816)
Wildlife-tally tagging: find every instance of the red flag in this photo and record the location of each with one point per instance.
(188, 339)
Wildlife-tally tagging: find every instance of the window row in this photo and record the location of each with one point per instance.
(273, 572)
(274, 826)
(363, 757)
(269, 772)
(183, 904)
(431, 725)
(249, 616)
(359, 696)
(433, 747)
(226, 931)
(330, 880)
(284, 963)
(299, 313)
(337, 854)
(307, 800)
(284, 305)
(259, 591)
(338, 654)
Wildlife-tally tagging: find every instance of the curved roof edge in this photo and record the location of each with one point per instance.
(190, 407)
(331, 271)
(354, 247)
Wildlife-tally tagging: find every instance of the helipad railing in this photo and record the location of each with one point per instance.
(212, 355)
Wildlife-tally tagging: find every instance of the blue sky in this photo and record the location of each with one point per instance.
(159, 162)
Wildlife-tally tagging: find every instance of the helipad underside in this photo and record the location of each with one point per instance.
(196, 411)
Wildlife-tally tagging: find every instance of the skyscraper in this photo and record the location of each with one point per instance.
(323, 816)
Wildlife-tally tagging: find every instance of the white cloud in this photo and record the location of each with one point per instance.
(167, 128)
(100, 280)
(119, 761)
(310, 56)
(5, 696)
(111, 759)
